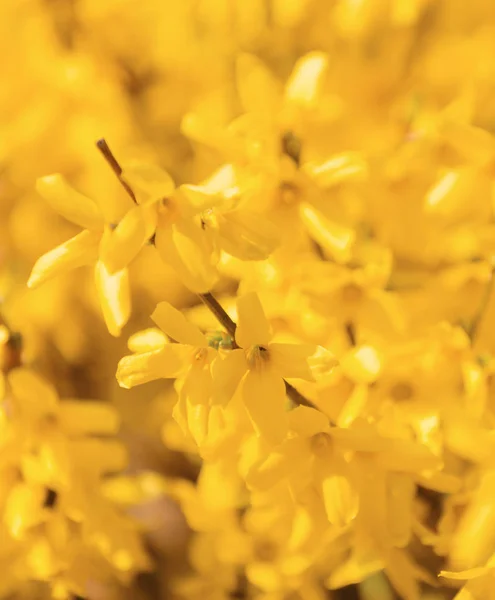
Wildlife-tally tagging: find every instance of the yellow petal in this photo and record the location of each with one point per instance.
(227, 374)
(465, 575)
(349, 166)
(304, 83)
(257, 87)
(70, 204)
(307, 421)
(174, 324)
(166, 363)
(474, 538)
(252, 325)
(147, 340)
(23, 508)
(285, 459)
(83, 417)
(401, 491)
(263, 394)
(197, 386)
(362, 364)
(341, 501)
(247, 235)
(80, 250)
(291, 360)
(332, 237)
(148, 181)
(114, 296)
(122, 244)
(353, 406)
(35, 395)
(189, 252)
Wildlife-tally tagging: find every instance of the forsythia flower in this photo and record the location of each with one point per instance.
(95, 244)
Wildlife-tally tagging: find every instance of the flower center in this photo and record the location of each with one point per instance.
(320, 444)
(351, 293)
(257, 357)
(265, 551)
(201, 356)
(401, 391)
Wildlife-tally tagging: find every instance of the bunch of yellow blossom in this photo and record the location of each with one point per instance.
(59, 529)
(303, 201)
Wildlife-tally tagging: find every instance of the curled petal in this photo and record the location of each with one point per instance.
(72, 205)
(80, 250)
(122, 244)
(147, 340)
(336, 239)
(184, 247)
(166, 363)
(114, 296)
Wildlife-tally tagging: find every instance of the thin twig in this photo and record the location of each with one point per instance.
(221, 315)
(208, 299)
(108, 155)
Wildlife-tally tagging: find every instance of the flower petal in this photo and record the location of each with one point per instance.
(336, 239)
(252, 325)
(291, 360)
(167, 363)
(114, 296)
(263, 394)
(72, 205)
(175, 325)
(307, 422)
(80, 250)
(247, 235)
(23, 508)
(227, 373)
(122, 244)
(189, 253)
(305, 80)
(257, 87)
(147, 181)
(147, 340)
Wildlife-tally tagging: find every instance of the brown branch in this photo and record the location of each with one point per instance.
(220, 314)
(108, 155)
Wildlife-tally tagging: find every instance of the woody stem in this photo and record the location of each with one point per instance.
(108, 155)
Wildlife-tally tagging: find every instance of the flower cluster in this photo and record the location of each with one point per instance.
(309, 207)
(57, 525)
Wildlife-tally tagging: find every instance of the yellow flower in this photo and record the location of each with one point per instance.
(234, 227)
(180, 238)
(110, 248)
